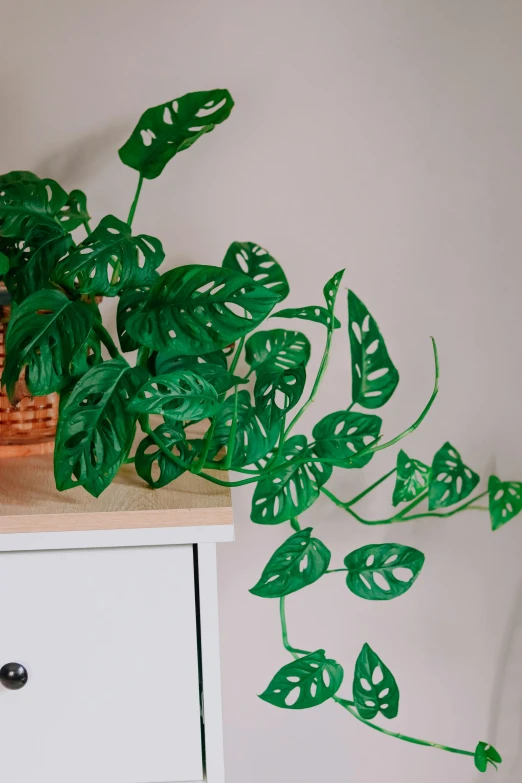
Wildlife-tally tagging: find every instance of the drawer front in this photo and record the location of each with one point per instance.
(109, 641)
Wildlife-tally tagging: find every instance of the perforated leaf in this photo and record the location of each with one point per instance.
(181, 395)
(374, 687)
(74, 213)
(210, 366)
(288, 492)
(25, 203)
(486, 754)
(304, 683)
(153, 466)
(380, 572)
(258, 264)
(341, 435)
(165, 130)
(131, 300)
(252, 441)
(45, 333)
(277, 391)
(95, 431)
(331, 288)
(196, 309)
(505, 501)
(35, 262)
(374, 376)
(318, 314)
(299, 562)
(411, 478)
(21, 177)
(451, 480)
(280, 347)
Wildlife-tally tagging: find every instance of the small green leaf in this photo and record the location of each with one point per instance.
(280, 347)
(252, 440)
(130, 301)
(374, 376)
(153, 466)
(331, 288)
(74, 213)
(109, 260)
(451, 481)
(380, 572)
(505, 501)
(4, 264)
(412, 478)
(341, 435)
(486, 754)
(299, 562)
(277, 391)
(318, 314)
(25, 204)
(374, 687)
(307, 682)
(258, 264)
(165, 130)
(180, 396)
(292, 489)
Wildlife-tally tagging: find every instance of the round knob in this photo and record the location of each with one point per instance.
(13, 676)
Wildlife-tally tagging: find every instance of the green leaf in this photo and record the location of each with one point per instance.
(277, 391)
(45, 334)
(210, 366)
(292, 489)
(318, 314)
(412, 478)
(307, 682)
(258, 264)
(34, 267)
(109, 260)
(374, 376)
(130, 301)
(195, 309)
(153, 466)
(25, 204)
(20, 177)
(95, 429)
(165, 130)
(280, 347)
(451, 481)
(486, 754)
(341, 435)
(505, 501)
(380, 572)
(180, 395)
(299, 562)
(331, 288)
(374, 687)
(74, 213)
(252, 441)
(4, 264)
(88, 356)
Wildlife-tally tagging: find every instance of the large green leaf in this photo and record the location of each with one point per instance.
(374, 376)
(109, 260)
(486, 754)
(288, 492)
(180, 395)
(195, 309)
(27, 203)
(341, 435)
(131, 300)
(252, 441)
(210, 366)
(374, 686)
(318, 314)
(165, 130)
(505, 501)
(451, 480)
(281, 347)
(45, 334)
(35, 263)
(411, 479)
(299, 562)
(153, 466)
(258, 264)
(74, 213)
(277, 391)
(95, 429)
(380, 572)
(304, 683)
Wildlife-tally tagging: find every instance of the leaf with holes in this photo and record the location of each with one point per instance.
(258, 264)
(74, 213)
(307, 682)
(210, 366)
(34, 264)
(88, 356)
(165, 130)
(252, 440)
(277, 391)
(374, 376)
(331, 288)
(380, 572)
(195, 309)
(180, 395)
(45, 334)
(292, 489)
(20, 177)
(280, 347)
(153, 466)
(374, 686)
(505, 501)
(25, 204)
(95, 429)
(341, 435)
(318, 314)
(299, 562)
(131, 300)
(486, 754)
(451, 481)
(109, 260)
(411, 479)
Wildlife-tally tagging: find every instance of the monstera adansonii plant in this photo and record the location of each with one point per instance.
(182, 324)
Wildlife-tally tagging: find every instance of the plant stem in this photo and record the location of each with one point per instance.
(232, 434)
(369, 489)
(87, 226)
(294, 651)
(143, 356)
(294, 524)
(233, 363)
(135, 202)
(105, 338)
(447, 513)
(335, 570)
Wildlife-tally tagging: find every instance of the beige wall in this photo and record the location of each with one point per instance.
(379, 135)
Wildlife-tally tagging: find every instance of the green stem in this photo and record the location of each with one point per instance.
(294, 651)
(451, 513)
(294, 524)
(87, 226)
(135, 202)
(143, 356)
(335, 570)
(233, 363)
(232, 433)
(106, 339)
(369, 489)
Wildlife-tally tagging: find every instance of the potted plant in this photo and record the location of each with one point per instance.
(179, 323)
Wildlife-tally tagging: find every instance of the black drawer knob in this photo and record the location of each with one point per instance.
(13, 676)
